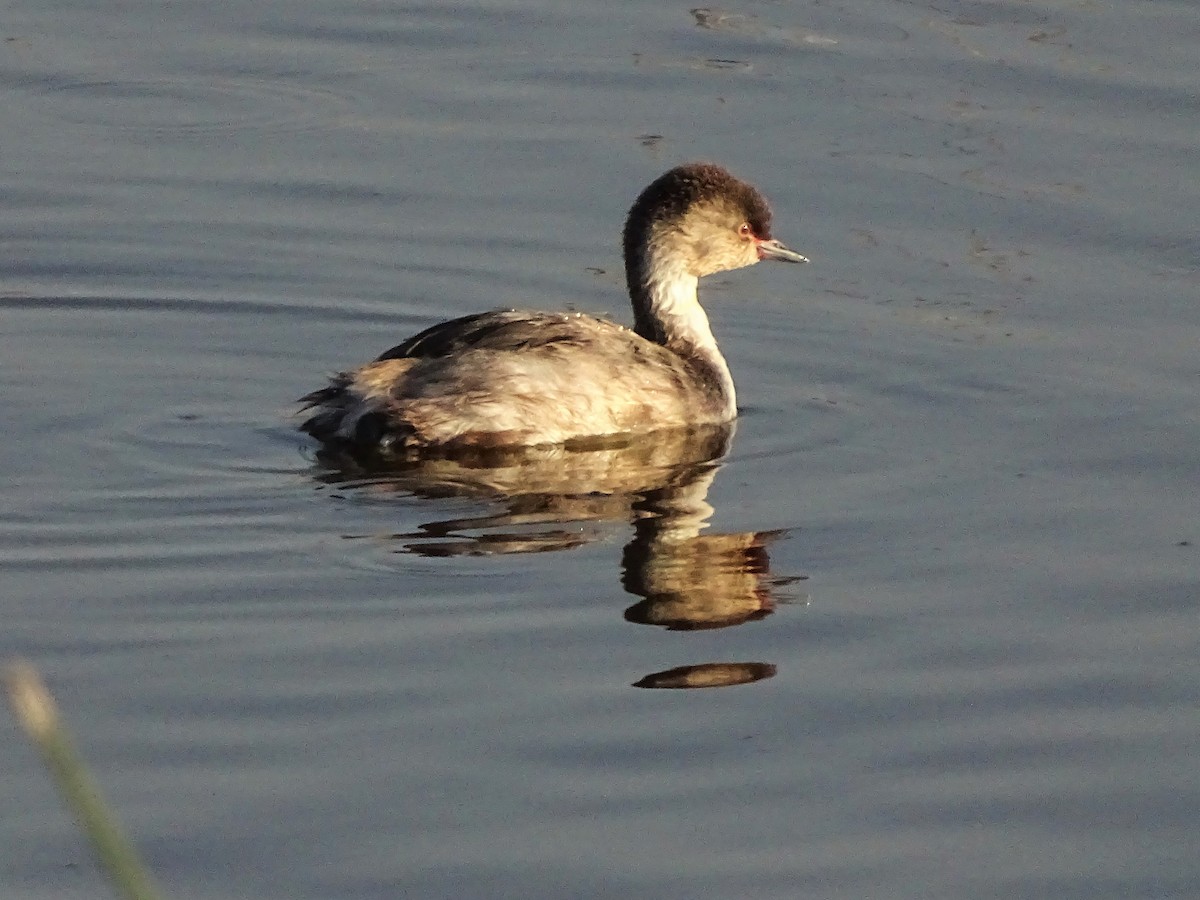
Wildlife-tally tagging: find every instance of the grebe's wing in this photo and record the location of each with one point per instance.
(501, 330)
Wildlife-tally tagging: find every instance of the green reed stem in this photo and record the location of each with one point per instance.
(38, 715)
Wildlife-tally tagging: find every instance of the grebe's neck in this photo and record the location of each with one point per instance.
(667, 311)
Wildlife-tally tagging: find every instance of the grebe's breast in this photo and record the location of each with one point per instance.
(520, 377)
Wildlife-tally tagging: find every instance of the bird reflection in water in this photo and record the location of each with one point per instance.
(557, 497)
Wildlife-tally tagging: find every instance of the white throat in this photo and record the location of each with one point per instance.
(681, 323)
(675, 305)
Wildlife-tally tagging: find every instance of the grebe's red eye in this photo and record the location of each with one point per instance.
(744, 229)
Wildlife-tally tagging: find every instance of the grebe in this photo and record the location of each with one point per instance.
(520, 377)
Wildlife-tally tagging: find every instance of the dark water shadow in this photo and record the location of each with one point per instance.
(556, 498)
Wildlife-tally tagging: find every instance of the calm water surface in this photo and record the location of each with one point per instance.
(941, 586)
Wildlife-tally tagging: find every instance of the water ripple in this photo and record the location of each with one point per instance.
(216, 105)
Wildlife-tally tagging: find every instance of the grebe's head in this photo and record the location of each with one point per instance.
(699, 219)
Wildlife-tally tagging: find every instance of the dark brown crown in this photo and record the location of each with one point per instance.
(671, 195)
